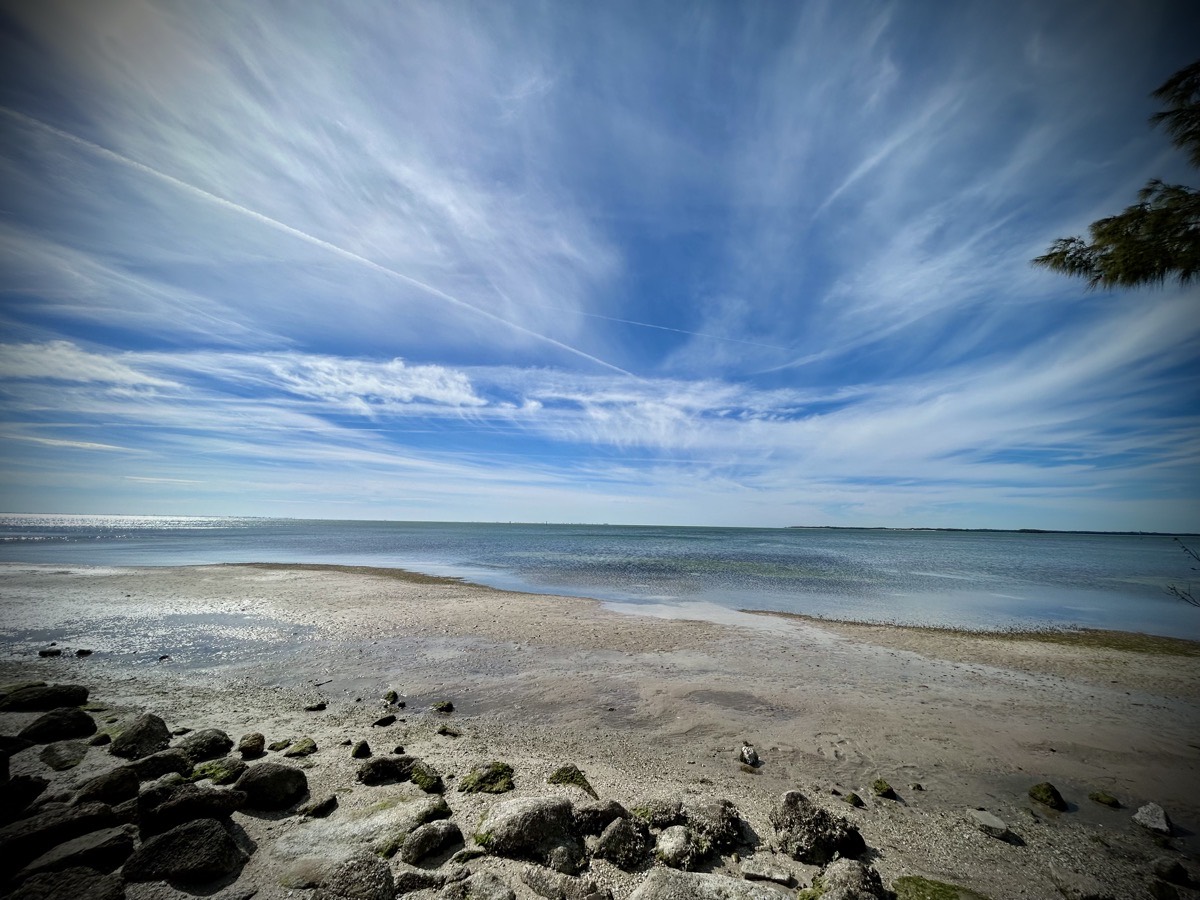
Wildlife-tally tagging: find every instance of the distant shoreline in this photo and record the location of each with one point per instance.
(1187, 534)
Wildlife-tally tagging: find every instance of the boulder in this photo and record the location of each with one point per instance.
(848, 879)
(622, 843)
(1170, 870)
(360, 750)
(992, 826)
(252, 745)
(61, 724)
(749, 756)
(678, 847)
(361, 877)
(77, 883)
(208, 743)
(194, 852)
(319, 808)
(593, 818)
(164, 762)
(1048, 795)
(10, 744)
(113, 787)
(23, 841)
(101, 850)
(658, 812)
(184, 803)
(494, 778)
(429, 839)
(1154, 818)
(533, 828)
(148, 734)
(426, 777)
(557, 886)
(36, 697)
(306, 746)
(810, 833)
(384, 721)
(18, 793)
(717, 822)
(480, 886)
(409, 878)
(225, 770)
(386, 770)
(270, 786)
(761, 867)
(669, 884)
(63, 755)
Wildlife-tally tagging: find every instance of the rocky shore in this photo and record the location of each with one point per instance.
(408, 760)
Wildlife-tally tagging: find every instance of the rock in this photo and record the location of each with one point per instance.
(882, 789)
(426, 777)
(448, 731)
(63, 755)
(1170, 870)
(81, 653)
(443, 706)
(854, 800)
(1153, 818)
(18, 793)
(164, 762)
(532, 828)
(1104, 799)
(658, 812)
(678, 848)
(623, 844)
(668, 884)
(319, 706)
(1048, 795)
(36, 697)
(208, 743)
(101, 850)
(361, 877)
(557, 886)
(386, 770)
(1076, 886)
(184, 803)
(59, 725)
(848, 879)
(23, 841)
(360, 750)
(306, 746)
(113, 787)
(480, 886)
(811, 834)
(428, 839)
(194, 852)
(748, 756)
(991, 825)
(148, 734)
(252, 745)
(384, 721)
(716, 822)
(593, 818)
(100, 740)
(271, 786)
(10, 744)
(570, 774)
(77, 883)
(494, 778)
(226, 770)
(49, 652)
(276, 746)
(391, 697)
(760, 867)
(321, 808)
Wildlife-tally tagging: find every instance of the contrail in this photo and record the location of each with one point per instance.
(711, 337)
(297, 233)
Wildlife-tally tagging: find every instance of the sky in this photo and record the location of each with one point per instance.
(728, 263)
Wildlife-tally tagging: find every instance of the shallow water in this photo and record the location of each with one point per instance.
(978, 580)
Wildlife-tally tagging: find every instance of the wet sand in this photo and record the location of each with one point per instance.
(649, 705)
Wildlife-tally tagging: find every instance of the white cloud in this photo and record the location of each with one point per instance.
(63, 361)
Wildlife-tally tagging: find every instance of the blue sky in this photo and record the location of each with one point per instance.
(629, 262)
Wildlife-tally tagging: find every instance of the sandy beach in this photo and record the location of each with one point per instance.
(647, 705)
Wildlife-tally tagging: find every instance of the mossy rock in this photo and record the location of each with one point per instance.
(854, 800)
(1104, 798)
(390, 697)
(1048, 795)
(914, 887)
(426, 777)
(883, 789)
(226, 770)
(360, 750)
(306, 746)
(570, 774)
(494, 778)
(448, 731)
(443, 706)
(276, 746)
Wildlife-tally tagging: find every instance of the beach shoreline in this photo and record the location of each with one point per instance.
(650, 706)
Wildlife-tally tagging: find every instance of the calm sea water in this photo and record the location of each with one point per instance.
(961, 579)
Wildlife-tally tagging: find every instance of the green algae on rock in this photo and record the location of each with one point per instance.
(570, 774)
(494, 778)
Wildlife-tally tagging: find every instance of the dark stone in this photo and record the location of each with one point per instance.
(361, 750)
(717, 822)
(271, 786)
(60, 724)
(480, 886)
(362, 877)
(17, 793)
(53, 651)
(10, 744)
(494, 778)
(306, 746)
(384, 721)
(428, 839)
(276, 746)
(148, 734)
(386, 769)
(63, 755)
(164, 762)
(208, 743)
(225, 770)
(1104, 798)
(811, 834)
(319, 809)
(183, 803)
(25, 840)
(443, 706)
(1170, 870)
(77, 883)
(426, 777)
(593, 818)
(113, 787)
(82, 653)
(99, 740)
(1048, 795)
(101, 850)
(319, 706)
(194, 852)
(252, 745)
(623, 844)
